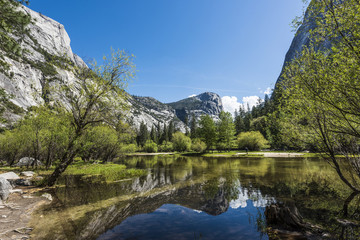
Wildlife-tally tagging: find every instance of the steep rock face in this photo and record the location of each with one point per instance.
(203, 104)
(46, 38)
(301, 40)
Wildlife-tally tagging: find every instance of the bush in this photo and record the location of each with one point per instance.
(252, 140)
(150, 147)
(198, 145)
(166, 147)
(181, 142)
(128, 148)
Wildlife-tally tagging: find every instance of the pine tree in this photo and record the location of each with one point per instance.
(143, 135)
(153, 135)
(193, 127)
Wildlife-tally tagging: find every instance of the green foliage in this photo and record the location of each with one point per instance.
(226, 132)
(100, 143)
(181, 142)
(150, 147)
(321, 86)
(252, 140)
(99, 99)
(198, 145)
(143, 134)
(166, 147)
(128, 148)
(193, 127)
(207, 131)
(42, 134)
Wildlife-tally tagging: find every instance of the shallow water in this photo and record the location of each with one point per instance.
(192, 198)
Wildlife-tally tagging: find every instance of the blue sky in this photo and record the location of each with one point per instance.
(235, 48)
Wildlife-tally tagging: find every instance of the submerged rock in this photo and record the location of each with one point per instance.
(5, 188)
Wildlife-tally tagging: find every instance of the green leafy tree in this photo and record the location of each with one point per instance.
(226, 131)
(98, 99)
(181, 142)
(150, 146)
(207, 131)
(252, 140)
(166, 147)
(320, 88)
(198, 145)
(100, 143)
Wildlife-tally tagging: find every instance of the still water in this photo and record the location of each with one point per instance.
(192, 198)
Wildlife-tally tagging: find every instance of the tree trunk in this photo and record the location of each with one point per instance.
(66, 160)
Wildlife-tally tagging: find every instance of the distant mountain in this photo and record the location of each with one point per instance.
(206, 103)
(31, 77)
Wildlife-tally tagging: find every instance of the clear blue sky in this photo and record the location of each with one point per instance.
(184, 47)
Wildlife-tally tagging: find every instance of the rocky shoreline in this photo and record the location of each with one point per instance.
(18, 200)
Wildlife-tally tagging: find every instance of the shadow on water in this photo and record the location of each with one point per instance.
(198, 198)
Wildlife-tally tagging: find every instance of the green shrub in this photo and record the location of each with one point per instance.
(128, 148)
(166, 147)
(150, 147)
(181, 142)
(198, 145)
(252, 140)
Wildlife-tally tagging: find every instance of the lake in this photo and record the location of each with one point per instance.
(193, 198)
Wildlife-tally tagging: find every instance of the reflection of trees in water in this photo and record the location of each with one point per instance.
(209, 185)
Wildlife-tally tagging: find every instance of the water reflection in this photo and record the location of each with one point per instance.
(191, 198)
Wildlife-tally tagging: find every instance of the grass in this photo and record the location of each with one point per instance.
(110, 171)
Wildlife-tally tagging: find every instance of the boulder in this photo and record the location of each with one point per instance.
(47, 196)
(10, 176)
(5, 188)
(23, 182)
(28, 162)
(27, 174)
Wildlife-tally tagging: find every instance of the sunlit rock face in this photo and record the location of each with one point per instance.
(203, 104)
(301, 40)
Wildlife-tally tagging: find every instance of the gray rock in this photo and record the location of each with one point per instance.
(23, 182)
(5, 188)
(47, 196)
(27, 173)
(28, 162)
(203, 104)
(9, 176)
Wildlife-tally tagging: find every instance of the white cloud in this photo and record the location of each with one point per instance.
(268, 91)
(251, 100)
(193, 95)
(230, 104)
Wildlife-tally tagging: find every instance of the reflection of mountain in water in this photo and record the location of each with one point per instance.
(211, 186)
